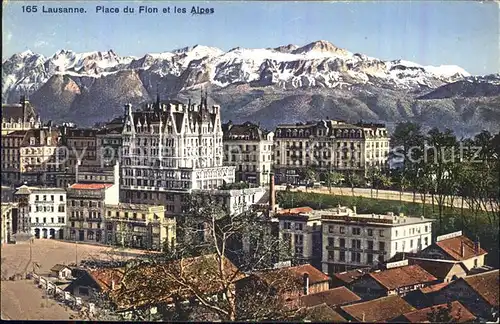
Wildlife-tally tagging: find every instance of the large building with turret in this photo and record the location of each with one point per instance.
(169, 149)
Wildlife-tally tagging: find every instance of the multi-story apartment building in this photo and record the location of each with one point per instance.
(95, 173)
(169, 149)
(86, 209)
(79, 146)
(300, 228)
(45, 210)
(235, 201)
(30, 156)
(352, 240)
(19, 117)
(326, 146)
(139, 226)
(109, 142)
(249, 148)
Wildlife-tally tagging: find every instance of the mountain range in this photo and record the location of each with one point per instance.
(286, 84)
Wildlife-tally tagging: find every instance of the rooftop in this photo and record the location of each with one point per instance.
(378, 310)
(332, 297)
(434, 288)
(458, 312)
(402, 277)
(350, 276)
(453, 247)
(436, 267)
(486, 285)
(323, 313)
(138, 207)
(91, 186)
(315, 276)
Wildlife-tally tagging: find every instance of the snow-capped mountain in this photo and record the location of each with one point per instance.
(328, 76)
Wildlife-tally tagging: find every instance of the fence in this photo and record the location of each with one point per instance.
(60, 295)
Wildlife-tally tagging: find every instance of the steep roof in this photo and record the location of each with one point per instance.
(402, 277)
(486, 285)
(377, 310)
(104, 277)
(459, 313)
(58, 267)
(453, 247)
(436, 267)
(323, 313)
(332, 297)
(297, 272)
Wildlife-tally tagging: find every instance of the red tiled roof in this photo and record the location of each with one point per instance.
(333, 297)
(323, 313)
(350, 276)
(434, 288)
(105, 277)
(315, 276)
(458, 312)
(297, 210)
(402, 276)
(377, 310)
(91, 186)
(453, 247)
(486, 285)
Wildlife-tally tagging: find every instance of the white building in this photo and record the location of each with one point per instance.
(300, 228)
(352, 240)
(236, 201)
(170, 149)
(46, 210)
(250, 149)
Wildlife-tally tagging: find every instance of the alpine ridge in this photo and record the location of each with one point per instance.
(312, 81)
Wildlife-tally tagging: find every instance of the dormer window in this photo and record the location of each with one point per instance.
(49, 141)
(32, 141)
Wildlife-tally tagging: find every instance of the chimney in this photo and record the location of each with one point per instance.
(112, 285)
(462, 249)
(272, 192)
(306, 284)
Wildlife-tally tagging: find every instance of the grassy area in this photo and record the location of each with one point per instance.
(454, 219)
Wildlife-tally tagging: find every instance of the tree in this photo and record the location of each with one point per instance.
(333, 179)
(310, 176)
(354, 180)
(203, 264)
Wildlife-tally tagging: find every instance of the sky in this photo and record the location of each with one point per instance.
(463, 33)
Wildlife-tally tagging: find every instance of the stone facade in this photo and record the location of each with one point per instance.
(328, 145)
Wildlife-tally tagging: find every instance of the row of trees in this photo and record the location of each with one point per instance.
(439, 165)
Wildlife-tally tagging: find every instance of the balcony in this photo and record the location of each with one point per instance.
(339, 248)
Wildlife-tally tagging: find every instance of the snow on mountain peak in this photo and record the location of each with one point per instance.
(323, 47)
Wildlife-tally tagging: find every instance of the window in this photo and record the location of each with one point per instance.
(411, 243)
(342, 230)
(356, 231)
(342, 242)
(381, 258)
(299, 239)
(61, 198)
(356, 244)
(396, 246)
(355, 257)
(299, 250)
(44, 197)
(396, 233)
(331, 255)
(331, 229)
(370, 232)
(299, 226)
(37, 197)
(426, 241)
(381, 246)
(36, 220)
(331, 241)
(342, 256)
(426, 228)
(52, 197)
(381, 233)
(287, 225)
(369, 258)
(370, 245)
(475, 263)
